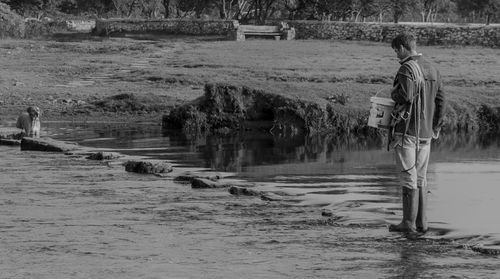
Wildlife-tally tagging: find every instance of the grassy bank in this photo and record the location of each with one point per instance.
(70, 76)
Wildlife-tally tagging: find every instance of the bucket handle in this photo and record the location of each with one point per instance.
(378, 92)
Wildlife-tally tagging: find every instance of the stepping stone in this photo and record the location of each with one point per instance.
(202, 183)
(103, 156)
(47, 144)
(152, 167)
(11, 133)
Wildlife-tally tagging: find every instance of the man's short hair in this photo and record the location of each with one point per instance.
(406, 40)
(34, 110)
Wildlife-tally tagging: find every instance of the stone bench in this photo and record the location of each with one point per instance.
(278, 32)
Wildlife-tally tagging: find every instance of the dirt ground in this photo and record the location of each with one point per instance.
(70, 76)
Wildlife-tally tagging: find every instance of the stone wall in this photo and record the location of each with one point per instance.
(168, 26)
(438, 34)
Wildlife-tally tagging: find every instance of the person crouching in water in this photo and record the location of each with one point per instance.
(417, 118)
(29, 121)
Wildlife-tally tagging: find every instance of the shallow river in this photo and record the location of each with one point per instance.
(67, 217)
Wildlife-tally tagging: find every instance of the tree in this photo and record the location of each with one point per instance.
(260, 10)
(490, 8)
(400, 8)
(429, 9)
(339, 9)
(487, 8)
(30, 7)
(381, 7)
(302, 9)
(363, 8)
(231, 9)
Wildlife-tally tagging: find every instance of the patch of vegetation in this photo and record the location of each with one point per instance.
(38, 28)
(124, 103)
(489, 119)
(230, 107)
(11, 24)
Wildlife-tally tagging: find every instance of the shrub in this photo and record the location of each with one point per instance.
(11, 24)
(489, 119)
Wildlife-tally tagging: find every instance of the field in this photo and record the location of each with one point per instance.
(70, 77)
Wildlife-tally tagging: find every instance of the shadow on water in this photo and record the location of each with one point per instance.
(352, 177)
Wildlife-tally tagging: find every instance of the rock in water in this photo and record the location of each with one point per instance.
(242, 191)
(202, 183)
(103, 156)
(11, 133)
(148, 167)
(47, 144)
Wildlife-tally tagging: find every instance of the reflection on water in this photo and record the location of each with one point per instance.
(354, 178)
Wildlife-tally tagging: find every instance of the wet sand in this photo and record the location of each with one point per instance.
(68, 217)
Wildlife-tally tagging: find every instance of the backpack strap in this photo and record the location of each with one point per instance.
(404, 112)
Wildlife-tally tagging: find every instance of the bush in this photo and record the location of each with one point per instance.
(489, 119)
(11, 24)
(38, 28)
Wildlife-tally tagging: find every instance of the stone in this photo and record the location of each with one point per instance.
(151, 167)
(10, 142)
(103, 156)
(327, 213)
(188, 178)
(47, 144)
(488, 250)
(183, 179)
(11, 133)
(202, 183)
(243, 191)
(271, 197)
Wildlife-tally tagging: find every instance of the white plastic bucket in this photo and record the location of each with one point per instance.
(380, 112)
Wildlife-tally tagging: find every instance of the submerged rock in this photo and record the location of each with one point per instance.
(483, 249)
(488, 250)
(326, 213)
(271, 197)
(47, 144)
(188, 178)
(152, 167)
(243, 191)
(103, 156)
(10, 142)
(202, 183)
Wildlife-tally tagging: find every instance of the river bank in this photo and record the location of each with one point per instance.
(142, 77)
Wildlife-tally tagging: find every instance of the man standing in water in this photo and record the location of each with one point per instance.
(29, 121)
(417, 118)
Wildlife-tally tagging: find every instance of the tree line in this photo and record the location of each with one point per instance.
(258, 11)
